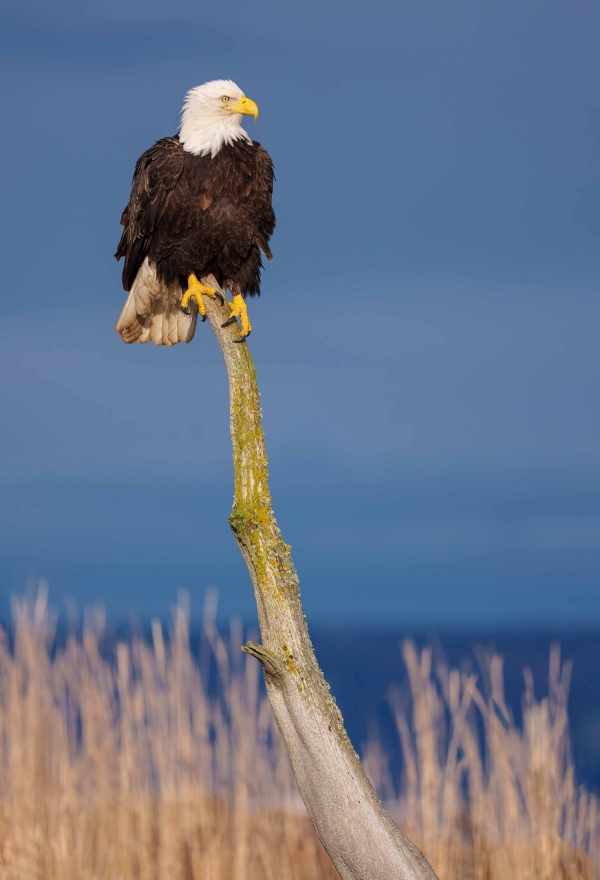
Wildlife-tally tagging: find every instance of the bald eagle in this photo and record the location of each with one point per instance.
(200, 205)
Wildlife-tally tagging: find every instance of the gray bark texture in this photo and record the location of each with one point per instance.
(354, 828)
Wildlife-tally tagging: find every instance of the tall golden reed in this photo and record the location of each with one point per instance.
(127, 768)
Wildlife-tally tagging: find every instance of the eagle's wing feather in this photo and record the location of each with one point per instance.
(262, 195)
(156, 175)
(247, 215)
(151, 312)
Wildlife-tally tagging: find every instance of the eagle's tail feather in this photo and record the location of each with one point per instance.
(152, 313)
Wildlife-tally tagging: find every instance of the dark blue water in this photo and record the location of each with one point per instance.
(361, 666)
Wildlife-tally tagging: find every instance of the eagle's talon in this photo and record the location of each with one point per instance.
(196, 290)
(220, 298)
(239, 309)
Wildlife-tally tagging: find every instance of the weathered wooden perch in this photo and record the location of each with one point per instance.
(360, 837)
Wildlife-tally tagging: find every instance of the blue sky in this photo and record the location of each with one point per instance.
(426, 342)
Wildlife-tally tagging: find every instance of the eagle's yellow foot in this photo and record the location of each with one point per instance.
(197, 290)
(239, 309)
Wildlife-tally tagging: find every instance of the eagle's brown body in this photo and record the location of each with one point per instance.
(190, 214)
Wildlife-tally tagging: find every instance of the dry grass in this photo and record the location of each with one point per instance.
(128, 769)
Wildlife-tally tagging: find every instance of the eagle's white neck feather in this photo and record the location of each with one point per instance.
(206, 125)
(204, 136)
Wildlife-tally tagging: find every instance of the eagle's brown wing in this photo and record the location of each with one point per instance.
(156, 175)
(151, 312)
(262, 197)
(240, 221)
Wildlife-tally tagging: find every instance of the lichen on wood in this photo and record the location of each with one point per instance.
(361, 839)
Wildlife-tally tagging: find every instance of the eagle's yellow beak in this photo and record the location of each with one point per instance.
(245, 105)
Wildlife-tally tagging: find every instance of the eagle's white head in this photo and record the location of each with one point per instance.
(211, 117)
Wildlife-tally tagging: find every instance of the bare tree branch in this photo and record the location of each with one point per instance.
(360, 837)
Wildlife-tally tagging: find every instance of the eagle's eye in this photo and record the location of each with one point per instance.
(224, 99)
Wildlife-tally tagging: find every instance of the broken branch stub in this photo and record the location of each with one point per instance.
(356, 831)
